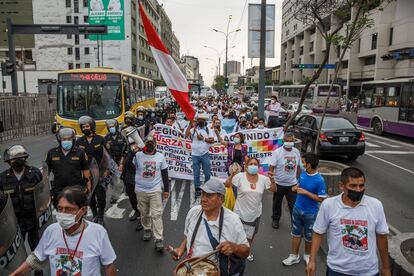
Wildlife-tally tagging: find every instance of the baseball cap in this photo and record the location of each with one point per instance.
(213, 186)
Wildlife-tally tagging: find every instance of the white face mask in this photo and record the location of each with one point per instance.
(65, 221)
(288, 145)
(260, 126)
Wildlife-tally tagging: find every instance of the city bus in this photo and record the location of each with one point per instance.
(315, 97)
(102, 93)
(387, 106)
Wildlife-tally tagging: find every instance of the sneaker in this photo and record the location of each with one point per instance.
(147, 235)
(139, 225)
(250, 258)
(306, 258)
(159, 246)
(291, 260)
(134, 216)
(275, 224)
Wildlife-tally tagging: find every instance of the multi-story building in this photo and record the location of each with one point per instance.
(190, 67)
(233, 67)
(386, 50)
(276, 74)
(175, 49)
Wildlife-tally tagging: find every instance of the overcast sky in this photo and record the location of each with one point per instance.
(193, 22)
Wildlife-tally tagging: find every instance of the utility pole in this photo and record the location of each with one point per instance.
(23, 70)
(243, 65)
(12, 57)
(97, 47)
(262, 59)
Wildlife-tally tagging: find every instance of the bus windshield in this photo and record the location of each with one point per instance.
(100, 100)
(323, 91)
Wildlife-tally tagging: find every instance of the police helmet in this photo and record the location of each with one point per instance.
(140, 109)
(150, 139)
(87, 120)
(129, 114)
(14, 152)
(66, 132)
(111, 123)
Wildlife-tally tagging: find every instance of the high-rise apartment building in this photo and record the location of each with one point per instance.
(233, 67)
(383, 51)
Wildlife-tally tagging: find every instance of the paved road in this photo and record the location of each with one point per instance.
(389, 167)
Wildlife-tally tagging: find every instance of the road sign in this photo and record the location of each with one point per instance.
(313, 66)
(109, 13)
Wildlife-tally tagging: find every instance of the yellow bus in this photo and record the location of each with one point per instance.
(102, 93)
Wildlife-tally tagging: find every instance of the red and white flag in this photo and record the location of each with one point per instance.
(171, 73)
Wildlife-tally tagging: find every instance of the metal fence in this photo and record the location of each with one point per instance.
(26, 115)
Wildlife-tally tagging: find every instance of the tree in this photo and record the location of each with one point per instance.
(218, 83)
(360, 19)
(159, 83)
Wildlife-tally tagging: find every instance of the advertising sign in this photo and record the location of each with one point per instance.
(254, 31)
(109, 13)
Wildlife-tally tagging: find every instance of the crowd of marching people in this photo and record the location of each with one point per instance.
(228, 217)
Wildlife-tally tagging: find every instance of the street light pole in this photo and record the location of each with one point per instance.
(262, 59)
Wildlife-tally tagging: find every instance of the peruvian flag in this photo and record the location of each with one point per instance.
(172, 75)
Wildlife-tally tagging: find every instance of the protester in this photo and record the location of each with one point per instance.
(250, 189)
(229, 121)
(73, 245)
(311, 191)
(218, 131)
(286, 165)
(209, 226)
(181, 123)
(242, 123)
(201, 139)
(261, 124)
(236, 150)
(273, 108)
(169, 122)
(151, 186)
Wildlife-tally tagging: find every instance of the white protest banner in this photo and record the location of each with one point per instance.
(177, 150)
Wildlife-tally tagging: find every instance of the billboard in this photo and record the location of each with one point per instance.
(109, 13)
(254, 31)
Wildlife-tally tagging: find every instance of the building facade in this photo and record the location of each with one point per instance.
(386, 50)
(233, 67)
(175, 49)
(190, 67)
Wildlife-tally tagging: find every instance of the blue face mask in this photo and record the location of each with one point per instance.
(67, 145)
(112, 130)
(253, 169)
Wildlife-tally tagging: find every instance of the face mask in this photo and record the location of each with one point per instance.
(65, 221)
(112, 130)
(87, 132)
(237, 140)
(140, 117)
(260, 126)
(253, 169)
(355, 196)
(288, 145)
(201, 124)
(152, 115)
(18, 165)
(218, 127)
(67, 145)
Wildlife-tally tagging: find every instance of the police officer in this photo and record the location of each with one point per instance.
(152, 117)
(141, 120)
(94, 145)
(68, 163)
(19, 182)
(116, 146)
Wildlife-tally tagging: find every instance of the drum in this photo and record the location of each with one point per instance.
(204, 267)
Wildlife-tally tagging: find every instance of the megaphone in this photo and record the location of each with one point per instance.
(131, 133)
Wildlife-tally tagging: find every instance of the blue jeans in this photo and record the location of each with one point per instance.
(198, 162)
(302, 224)
(330, 272)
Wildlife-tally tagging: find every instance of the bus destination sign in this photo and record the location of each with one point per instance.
(89, 77)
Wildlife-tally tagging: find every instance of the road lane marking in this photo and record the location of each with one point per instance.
(393, 230)
(192, 195)
(390, 163)
(114, 211)
(388, 139)
(371, 145)
(389, 152)
(176, 201)
(387, 144)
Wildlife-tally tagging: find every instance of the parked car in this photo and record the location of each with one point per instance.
(293, 107)
(338, 136)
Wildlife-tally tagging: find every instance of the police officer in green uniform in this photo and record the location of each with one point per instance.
(19, 182)
(68, 163)
(115, 144)
(94, 145)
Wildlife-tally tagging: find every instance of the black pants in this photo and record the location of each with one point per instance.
(98, 201)
(282, 191)
(273, 122)
(32, 237)
(130, 191)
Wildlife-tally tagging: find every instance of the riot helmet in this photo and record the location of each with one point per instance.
(112, 126)
(129, 118)
(66, 137)
(15, 152)
(87, 120)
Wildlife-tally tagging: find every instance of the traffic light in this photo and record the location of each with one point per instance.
(9, 68)
(226, 83)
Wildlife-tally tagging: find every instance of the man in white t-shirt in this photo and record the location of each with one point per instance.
(225, 227)
(356, 228)
(151, 186)
(201, 138)
(286, 164)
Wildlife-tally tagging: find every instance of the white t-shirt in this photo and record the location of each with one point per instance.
(286, 164)
(200, 147)
(222, 133)
(181, 124)
(249, 201)
(232, 230)
(351, 234)
(148, 177)
(94, 249)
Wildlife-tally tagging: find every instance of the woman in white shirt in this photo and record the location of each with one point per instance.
(250, 189)
(73, 245)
